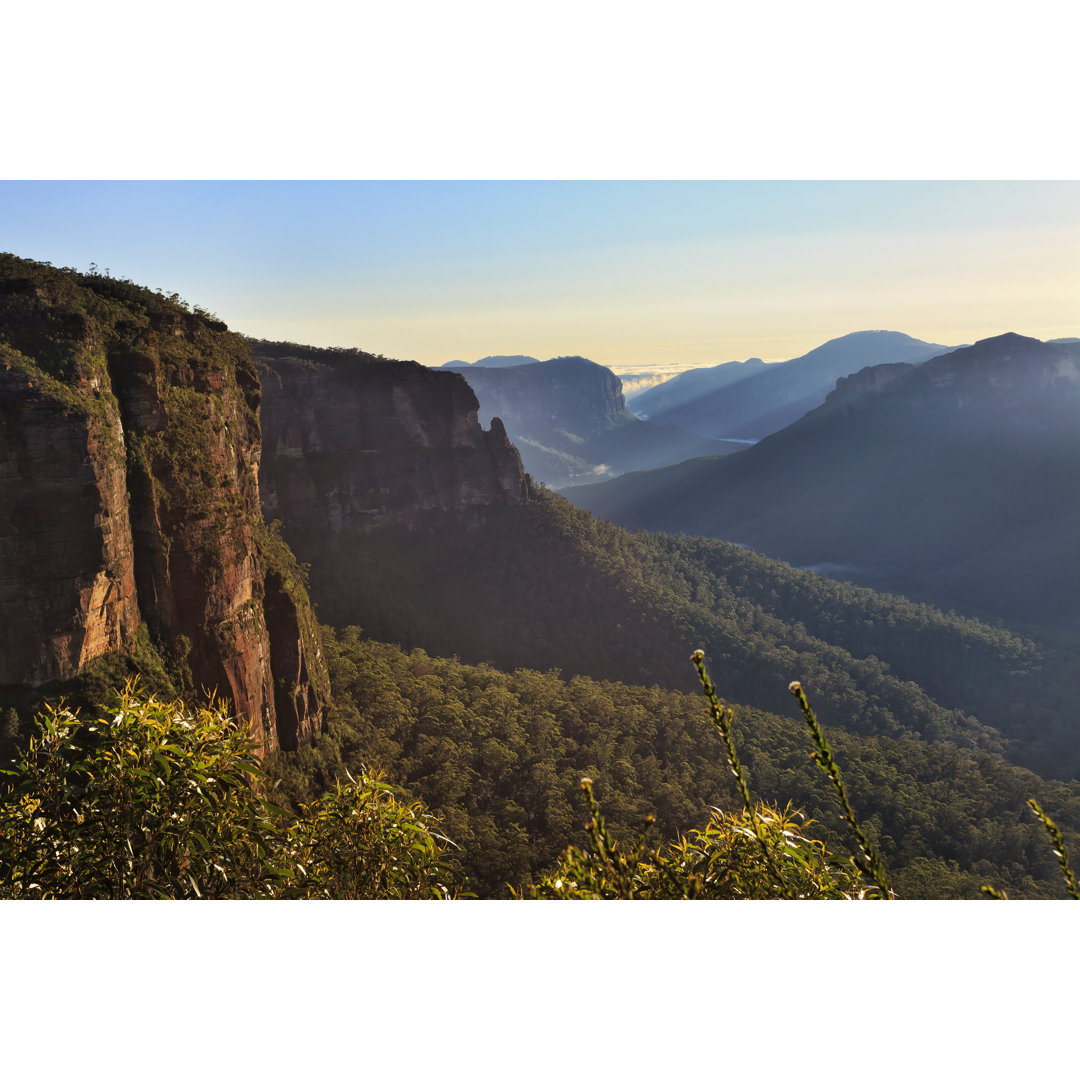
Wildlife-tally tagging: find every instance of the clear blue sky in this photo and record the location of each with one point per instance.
(634, 275)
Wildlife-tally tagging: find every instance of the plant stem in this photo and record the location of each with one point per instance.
(722, 720)
(1059, 848)
(823, 755)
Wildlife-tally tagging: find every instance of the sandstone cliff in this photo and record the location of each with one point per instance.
(129, 495)
(354, 443)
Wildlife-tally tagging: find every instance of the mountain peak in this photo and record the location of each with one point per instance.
(573, 360)
(1001, 348)
(506, 361)
(859, 340)
(1008, 339)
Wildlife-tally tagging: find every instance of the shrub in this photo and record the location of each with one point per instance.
(723, 861)
(360, 841)
(149, 799)
(759, 853)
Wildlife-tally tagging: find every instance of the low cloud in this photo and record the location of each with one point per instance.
(638, 384)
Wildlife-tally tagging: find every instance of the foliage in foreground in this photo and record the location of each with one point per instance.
(758, 854)
(723, 861)
(148, 799)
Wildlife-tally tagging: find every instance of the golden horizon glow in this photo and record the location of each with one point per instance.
(634, 276)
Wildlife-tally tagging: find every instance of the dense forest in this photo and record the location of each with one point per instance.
(141, 798)
(546, 585)
(500, 756)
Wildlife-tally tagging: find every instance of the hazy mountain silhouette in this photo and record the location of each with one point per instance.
(954, 481)
(568, 417)
(695, 383)
(777, 395)
(493, 362)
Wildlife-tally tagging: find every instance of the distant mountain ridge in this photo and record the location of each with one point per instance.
(568, 417)
(952, 481)
(689, 385)
(492, 362)
(766, 401)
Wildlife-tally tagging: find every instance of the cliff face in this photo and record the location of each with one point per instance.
(541, 402)
(67, 587)
(129, 454)
(353, 444)
(870, 380)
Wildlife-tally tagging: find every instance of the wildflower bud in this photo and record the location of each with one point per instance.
(698, 654)
(795, 688)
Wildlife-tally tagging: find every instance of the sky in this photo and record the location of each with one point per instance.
(641, 276)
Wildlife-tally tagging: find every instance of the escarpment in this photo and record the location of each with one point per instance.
(129, 497)
(355, 444)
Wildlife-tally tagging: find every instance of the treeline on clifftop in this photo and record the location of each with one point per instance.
(263, 349)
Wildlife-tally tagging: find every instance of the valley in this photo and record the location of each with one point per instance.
(356, 554)
(949, 481)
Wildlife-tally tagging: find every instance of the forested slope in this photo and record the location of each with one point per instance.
(545, 585)
(499, 755)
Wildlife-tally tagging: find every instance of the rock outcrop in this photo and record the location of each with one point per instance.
(354, 443)
(568, 418)
(870, 380)
(129, 495)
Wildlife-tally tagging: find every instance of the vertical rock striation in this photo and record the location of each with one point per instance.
(354, 443)
(67, 590)
(129, 493)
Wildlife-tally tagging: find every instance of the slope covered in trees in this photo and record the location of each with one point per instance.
(546, 585)
(500, 756)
